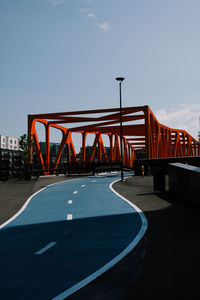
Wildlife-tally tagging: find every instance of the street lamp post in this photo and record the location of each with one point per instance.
(120, 79)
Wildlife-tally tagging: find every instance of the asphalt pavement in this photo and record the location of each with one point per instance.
(164, 265)
(65, 236)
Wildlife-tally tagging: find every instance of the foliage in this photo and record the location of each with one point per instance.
(25, 144)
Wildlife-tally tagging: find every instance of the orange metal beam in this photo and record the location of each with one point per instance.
(152, 137)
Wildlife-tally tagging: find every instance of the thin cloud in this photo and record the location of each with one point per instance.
(104, 26)
(87, 10)
(184, 117)
(89, 13)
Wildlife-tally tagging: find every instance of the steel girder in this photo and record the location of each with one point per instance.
(141, 132)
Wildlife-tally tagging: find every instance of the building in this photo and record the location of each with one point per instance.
(54, 147)
(10, 157)
(9, 143)
(88, 150)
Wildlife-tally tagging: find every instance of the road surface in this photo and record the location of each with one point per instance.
(66, 235)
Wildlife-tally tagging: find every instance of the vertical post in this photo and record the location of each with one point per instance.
(84, 134)
(111, 147)
(183, 145)
(199, 149)
(116, 149)
(99, 149)
(121, 146)
(30, 121)
(147, 127)
(47, 156)
(120, 79)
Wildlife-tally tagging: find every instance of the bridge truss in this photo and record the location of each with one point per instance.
(141, 132)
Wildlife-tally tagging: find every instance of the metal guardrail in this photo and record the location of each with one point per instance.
(152, 163)
(78, 168)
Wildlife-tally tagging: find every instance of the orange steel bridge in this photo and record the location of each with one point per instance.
(141, 132)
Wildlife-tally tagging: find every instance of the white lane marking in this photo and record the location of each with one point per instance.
(21, 210)
(46, 248)
(30, 198)
(116, 259)
(70, 202)
(75, 192)
(93, 180)
(69, 217)
(83, 185)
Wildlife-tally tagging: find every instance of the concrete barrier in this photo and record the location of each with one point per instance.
(159, 183)
(184, 181)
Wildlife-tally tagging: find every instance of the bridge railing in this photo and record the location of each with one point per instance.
(77, 168)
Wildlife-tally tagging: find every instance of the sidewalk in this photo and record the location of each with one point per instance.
(164, 265)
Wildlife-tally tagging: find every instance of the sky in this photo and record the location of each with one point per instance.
(64, 55)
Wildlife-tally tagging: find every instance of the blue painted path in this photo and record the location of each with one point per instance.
(67, 232)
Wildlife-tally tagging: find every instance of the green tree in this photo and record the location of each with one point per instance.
(25, 144)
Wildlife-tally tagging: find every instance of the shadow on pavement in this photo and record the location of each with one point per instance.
(167, 258)
(83, 246)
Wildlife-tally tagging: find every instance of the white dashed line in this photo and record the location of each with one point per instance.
(75, 192)
(83, 185)
(70, 202)
(46, 248)
(112, 262)
(69, 217)
(93, 180)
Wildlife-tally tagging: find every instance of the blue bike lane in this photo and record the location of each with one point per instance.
(65, 236)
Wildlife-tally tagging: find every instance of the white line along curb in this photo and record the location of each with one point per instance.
(29, 199)
(116, 259)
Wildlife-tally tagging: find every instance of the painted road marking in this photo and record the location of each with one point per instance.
(69, 217)
(92, 277)
(83, 185)
(70, 202)
(93, 180)
(46, 248)
(113, 261)
(75, 192)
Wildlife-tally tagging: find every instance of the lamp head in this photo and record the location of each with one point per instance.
(120, 79)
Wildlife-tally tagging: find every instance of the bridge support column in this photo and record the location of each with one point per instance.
(111, 147)
(47, 150)
(84, 135)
